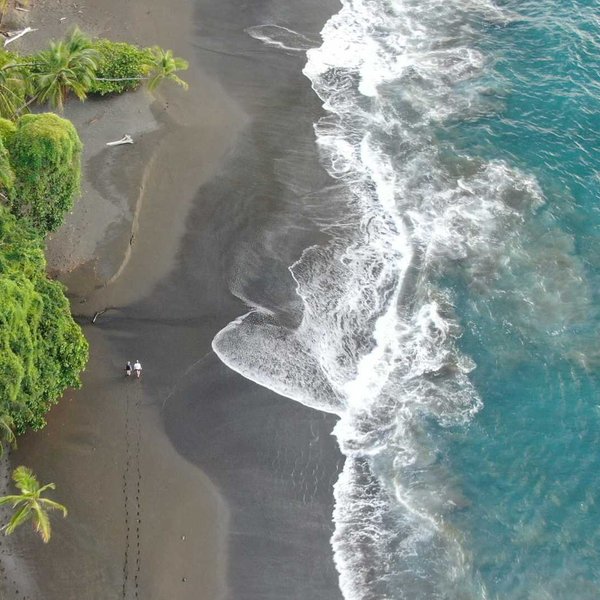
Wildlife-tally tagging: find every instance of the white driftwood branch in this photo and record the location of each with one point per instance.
(15, 35)
(126, 139)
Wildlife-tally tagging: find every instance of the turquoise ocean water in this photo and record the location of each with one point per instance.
(452, 320)
(529, 462)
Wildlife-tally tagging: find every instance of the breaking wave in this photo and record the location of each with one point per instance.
(378, 343)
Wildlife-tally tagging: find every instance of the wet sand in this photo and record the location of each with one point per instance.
(232, 483)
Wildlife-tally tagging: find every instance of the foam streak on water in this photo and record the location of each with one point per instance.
(377, 344)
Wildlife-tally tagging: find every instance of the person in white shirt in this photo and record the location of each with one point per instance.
(137, 367)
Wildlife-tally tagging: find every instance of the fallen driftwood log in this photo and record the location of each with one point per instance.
(101, 312)
(15, 35)
(126, 139)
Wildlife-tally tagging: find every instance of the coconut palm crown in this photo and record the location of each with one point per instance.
(12, 88)
(164, 66)
(67, 66)
(29, 504)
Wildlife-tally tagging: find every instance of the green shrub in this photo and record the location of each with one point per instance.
(122, 61)
(7, 129)
(7, 175)
(7, 56)
(42, 350)
(45, 154)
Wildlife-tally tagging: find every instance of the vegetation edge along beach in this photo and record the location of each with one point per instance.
(43, 350)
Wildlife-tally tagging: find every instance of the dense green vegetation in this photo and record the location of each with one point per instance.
(31, 504)
(45, 155)
(122, 67)
(42, 350)
(7, 129)
(7, 175)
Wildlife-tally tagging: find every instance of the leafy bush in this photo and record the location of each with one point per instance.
(7, 175)
(125, 62)
(45, 154)
(42, 350)
(6, 56)
(7, 129)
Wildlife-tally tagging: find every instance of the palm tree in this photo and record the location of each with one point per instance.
(31, 504)
(67, 66)
(12, 89)
(164, 66)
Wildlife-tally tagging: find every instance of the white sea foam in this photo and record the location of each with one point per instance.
(281, 37)
(377, 344)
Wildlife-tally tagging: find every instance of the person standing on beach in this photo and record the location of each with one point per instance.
(128, 368)
(137, 367)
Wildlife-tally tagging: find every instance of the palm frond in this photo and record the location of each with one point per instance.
(48, 486)
(12, 89)
(22, 515)
(51, 505)
(67, 66)
(41, 523)
(25, 480)
(14, 499)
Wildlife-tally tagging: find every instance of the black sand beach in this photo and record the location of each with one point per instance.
(192, 482)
